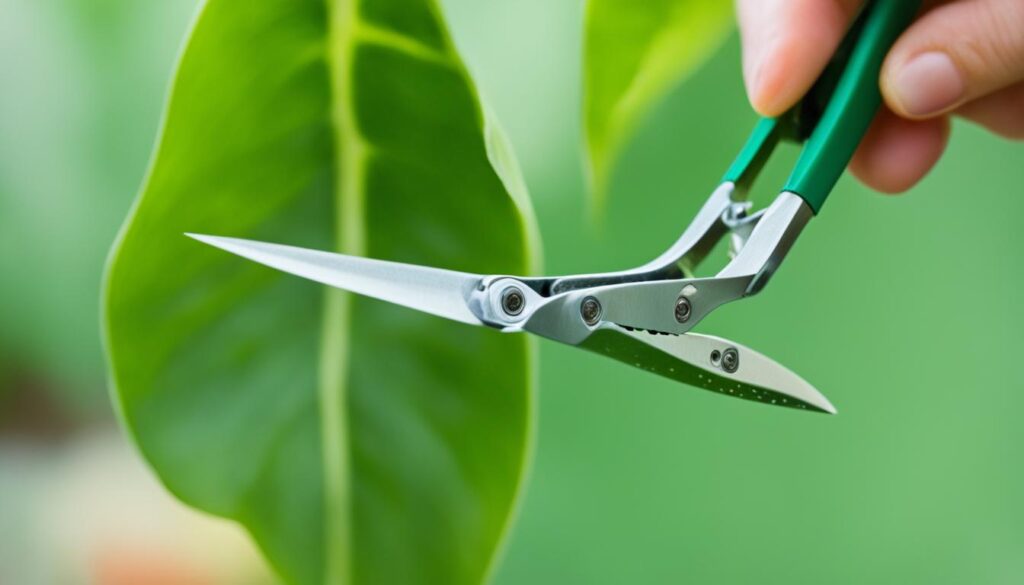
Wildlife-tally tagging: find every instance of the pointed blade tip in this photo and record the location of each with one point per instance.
(429, 290)
(237, 246)
(206, 239)
(830, 410)
(823, 405)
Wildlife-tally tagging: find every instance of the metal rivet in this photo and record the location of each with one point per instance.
(716, 357)
(731, 360)
(683, 309)
(512, 301)
(590, 310)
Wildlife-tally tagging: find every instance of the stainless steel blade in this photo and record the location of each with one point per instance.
(700, 360)
(432, 290)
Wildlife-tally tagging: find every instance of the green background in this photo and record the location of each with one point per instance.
(903, 311)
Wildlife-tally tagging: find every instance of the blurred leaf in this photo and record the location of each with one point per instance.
(635, 52)
(358, 442)
(83, 85)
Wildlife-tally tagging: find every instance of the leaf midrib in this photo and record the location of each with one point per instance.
(350, 238)
(344, 32)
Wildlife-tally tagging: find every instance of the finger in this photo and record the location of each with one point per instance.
(786, 45)
(955, 53)
(896, 153)
(1001, 112)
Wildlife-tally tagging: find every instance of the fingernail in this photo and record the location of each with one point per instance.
(927, 84)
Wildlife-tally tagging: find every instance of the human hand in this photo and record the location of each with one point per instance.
(961, 57)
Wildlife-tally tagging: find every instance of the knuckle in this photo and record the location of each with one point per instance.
(983, 37)
(999, 39)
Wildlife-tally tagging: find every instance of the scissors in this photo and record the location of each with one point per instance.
(644, 316)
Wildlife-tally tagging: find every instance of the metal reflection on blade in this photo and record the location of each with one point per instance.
(710, 363)
(431, 290)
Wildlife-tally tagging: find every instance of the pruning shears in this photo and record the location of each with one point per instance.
(644, 316)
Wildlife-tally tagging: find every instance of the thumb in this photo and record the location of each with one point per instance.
(955, 53)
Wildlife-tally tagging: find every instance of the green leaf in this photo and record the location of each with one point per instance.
(357, 441)
(634, 53)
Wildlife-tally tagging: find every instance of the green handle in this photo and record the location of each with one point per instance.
(755, 153)
(836, 113)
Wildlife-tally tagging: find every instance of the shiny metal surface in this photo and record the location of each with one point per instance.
(687, 358)
(651, 304)
(699, 237)
(444, 293)
(770, 241)
(641, 317)
(741, 223)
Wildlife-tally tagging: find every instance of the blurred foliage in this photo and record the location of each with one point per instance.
(84, 80)
(634, 53)
(358, 442)
(901, 310)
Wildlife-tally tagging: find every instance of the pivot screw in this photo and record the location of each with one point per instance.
(512, 301)
(590, 310)
(683, 309)
(730, 360)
